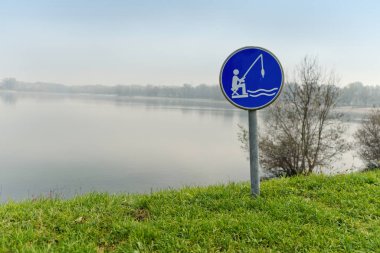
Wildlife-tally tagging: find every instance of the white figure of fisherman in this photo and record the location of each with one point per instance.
(238, 83)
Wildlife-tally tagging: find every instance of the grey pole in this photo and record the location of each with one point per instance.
(254, 153)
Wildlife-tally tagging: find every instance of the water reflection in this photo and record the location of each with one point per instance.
(8, 98)
(80, 143)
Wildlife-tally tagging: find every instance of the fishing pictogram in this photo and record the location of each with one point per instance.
(251, 78)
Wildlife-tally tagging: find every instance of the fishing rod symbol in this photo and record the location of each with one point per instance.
(238, 83)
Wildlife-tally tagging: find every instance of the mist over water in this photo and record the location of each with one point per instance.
(70, 145)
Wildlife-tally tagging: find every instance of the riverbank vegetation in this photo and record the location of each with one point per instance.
(368, 139)
(298, 214)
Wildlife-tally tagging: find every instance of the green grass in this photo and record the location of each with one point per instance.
(301, 214)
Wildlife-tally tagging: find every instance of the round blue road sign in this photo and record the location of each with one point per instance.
(251, 78)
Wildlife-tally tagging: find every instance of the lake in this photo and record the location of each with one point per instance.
(64, 145)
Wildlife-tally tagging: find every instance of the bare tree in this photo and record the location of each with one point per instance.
(368, 139)
(301, 131)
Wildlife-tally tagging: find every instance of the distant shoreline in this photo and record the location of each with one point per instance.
(354, 95)
(341, 108)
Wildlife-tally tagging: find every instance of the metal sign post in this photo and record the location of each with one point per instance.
(254, 153)
(258, 87)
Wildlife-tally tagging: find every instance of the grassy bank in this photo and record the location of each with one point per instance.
(305, 214)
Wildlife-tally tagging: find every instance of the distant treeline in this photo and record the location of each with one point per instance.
(185, 91)
(354, 94)
(357, 94)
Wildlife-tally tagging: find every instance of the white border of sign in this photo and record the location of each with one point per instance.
(232, 54)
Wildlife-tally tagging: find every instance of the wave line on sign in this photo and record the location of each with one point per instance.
(254, 91)
(262, 94)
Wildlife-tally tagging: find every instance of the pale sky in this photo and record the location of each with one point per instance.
(174, 42)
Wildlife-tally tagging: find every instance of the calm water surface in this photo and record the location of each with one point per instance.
(70, 145)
